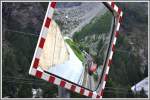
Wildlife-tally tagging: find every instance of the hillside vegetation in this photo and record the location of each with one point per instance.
(130, 60)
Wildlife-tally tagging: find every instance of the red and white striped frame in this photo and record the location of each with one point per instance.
(119, 15)
(34, 71)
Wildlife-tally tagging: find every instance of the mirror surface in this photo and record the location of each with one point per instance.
(77, 42)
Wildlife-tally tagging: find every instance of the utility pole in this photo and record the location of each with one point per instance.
(63, 93)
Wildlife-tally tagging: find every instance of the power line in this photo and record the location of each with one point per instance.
(42, 84)
(27, 82)
(116, 88)
(32, 80)
(23, 33)
(124, 51)
(24, 82)
(6, 77)
(117, 92)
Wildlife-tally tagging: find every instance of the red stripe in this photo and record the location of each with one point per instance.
(73, 87)
(62, 83)
(112, 4)
(36, 63)
(102, 92)
(116, 34)
(97, 96)
(119, 11)
(51, 79)
(47, 23)
(42, 41)
(38, 74)
(109, 62)
(113, 47)
(90, 94)
(81, 91)
(105, 77)
(120, 19)
(53, 4)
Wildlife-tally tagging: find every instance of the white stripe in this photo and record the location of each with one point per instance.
(44, 32)
(94, 95)
(57, 81)
(50, 12)
(121, 13)
(114, 41)
(100, 97)
(77, 89)
(115, 8)
(104, 83)
(39, 69)
(33, 71)
(86, 92)
(107, 70)
(38, 53)
(39, 39)
(111, 54)
(45, 76)
(109, 2)
(67, 85)
(118, 26)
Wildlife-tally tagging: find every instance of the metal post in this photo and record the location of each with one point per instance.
(63, 93)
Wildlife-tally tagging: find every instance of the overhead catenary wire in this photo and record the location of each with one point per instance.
(6, 77)
(24, 81)
(22, 33)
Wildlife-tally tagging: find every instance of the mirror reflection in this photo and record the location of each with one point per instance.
(77, 42)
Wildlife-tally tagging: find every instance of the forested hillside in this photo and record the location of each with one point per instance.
(21, 25)
(130, 61)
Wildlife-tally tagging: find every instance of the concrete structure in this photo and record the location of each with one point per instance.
(141, 85)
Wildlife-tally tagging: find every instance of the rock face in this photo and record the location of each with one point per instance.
(68, 4)
(71, 17)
